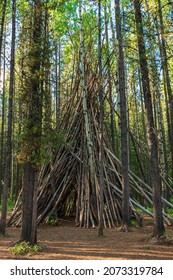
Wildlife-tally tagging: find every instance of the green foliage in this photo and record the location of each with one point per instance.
(23, 7)
(134, 222)
(36, 141)
(38, 153)
(24, 248)
(147, 248)
(70, 202)
(53, 221)
(150, 209)
(53, 139)
(10, 205)
(170, 212)
(64, 17)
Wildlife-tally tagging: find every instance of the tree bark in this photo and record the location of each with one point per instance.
(58, 80)
(123, 121)
(2, 28)
(2, 124)
(155, 173)
(8, 154)
(28, 231)
(160, 125)
(33, 131)
(167, 82)
(112, 121)
(101, 148)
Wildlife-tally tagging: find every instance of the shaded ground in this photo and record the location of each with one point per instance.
(69, 242)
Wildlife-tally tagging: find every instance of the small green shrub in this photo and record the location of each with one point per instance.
(52, 220)
(10, 205)
(134, 222)
(24, 248)
(147, 248)
(150, 209)
(170, 211)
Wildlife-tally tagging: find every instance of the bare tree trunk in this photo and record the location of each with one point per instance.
(28, 231)
(155, 173)
(7, 172)
(58, 79)
(123, 120)
(167, 82)
(101, 148)
(2, 125)
(2, 131)
(2, 28)
(46, 94)
(112, 121)
(163, 162)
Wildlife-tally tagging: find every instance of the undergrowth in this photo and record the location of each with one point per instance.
(53, 221)
(10, 204)
(24, 248)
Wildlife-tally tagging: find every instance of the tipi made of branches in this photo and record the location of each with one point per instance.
(69, 184)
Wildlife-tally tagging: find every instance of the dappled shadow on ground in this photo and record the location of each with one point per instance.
(69, 242)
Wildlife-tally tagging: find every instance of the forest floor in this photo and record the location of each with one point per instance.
(66, 241)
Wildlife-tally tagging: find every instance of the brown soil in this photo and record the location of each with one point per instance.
(69, 242)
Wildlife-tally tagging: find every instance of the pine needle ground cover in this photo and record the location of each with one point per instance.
(69, 242)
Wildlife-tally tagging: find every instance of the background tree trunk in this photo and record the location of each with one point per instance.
(167, 82)
(2, 124)
(2, 29)
(155, 173)
(101, 148)
(33, 131)
(8, 154)
(123, 121)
